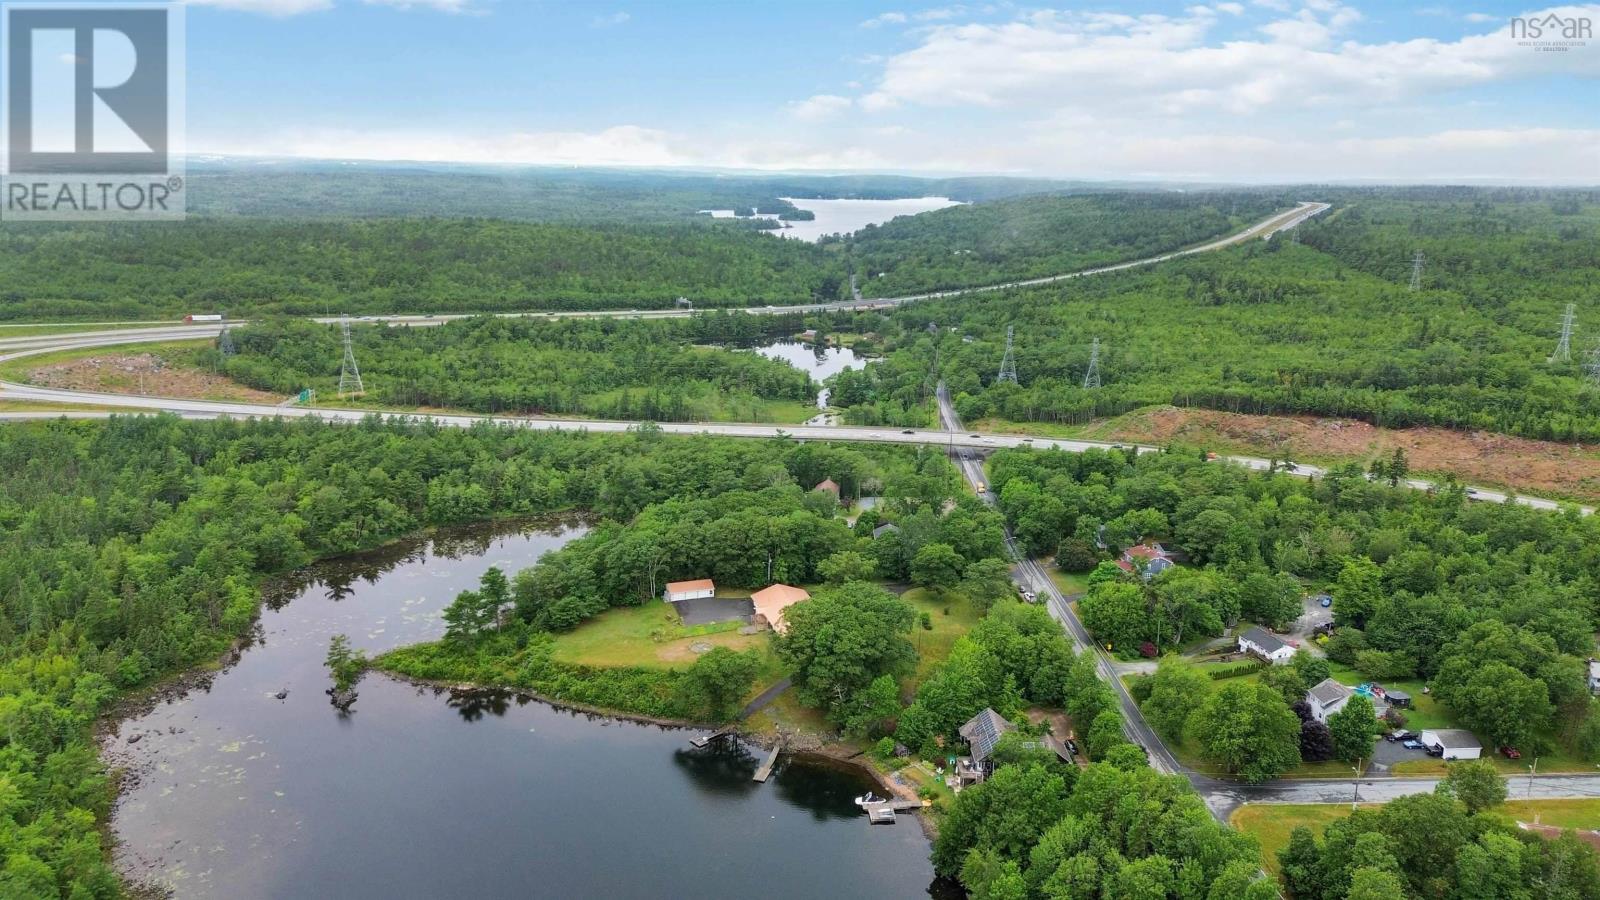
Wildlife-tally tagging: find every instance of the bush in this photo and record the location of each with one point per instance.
(1237, 671)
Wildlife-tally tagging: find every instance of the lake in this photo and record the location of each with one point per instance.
(422, 792)
(846, 216)
(817, 361)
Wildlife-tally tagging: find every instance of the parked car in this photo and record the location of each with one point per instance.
(1411, 744)
(1326, 601)
(1410, 736)
(1393, 736)
(1510, 753)
(1030, 596)
(908, 431)
(1433, 751)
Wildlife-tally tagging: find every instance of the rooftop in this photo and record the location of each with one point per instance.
(1455, 738)
(1327, 692)
(698, 584)
(1262, 639)
(983, 731)
(770, 602)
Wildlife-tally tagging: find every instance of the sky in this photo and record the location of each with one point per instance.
(1247, 91)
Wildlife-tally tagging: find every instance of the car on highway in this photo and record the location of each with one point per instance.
(1472, 492)
(908, 431)
(974, 435)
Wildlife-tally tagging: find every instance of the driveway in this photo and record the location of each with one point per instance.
(705, 610)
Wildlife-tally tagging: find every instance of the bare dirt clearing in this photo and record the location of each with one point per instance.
(147, 373)
(1480, 457)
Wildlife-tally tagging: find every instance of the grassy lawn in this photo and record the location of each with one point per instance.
(650, 636)
(1069, 583)
(934, 646)
(1271, 823)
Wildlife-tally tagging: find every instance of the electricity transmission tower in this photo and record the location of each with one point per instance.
(1091, 378)
(1564, 346)
(349, 374)
(1008, 363)
(1416, 271)
(1591, 367)
(225, 343)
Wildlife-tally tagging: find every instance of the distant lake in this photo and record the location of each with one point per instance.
(424, 793)
(846, 216)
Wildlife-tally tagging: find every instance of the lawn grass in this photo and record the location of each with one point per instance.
(1272, 823)
(1068, 583)
(650, 636)
(933, 647)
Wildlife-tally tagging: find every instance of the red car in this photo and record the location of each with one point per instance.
(1511, 753)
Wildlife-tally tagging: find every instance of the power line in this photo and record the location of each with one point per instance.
(1591, 367)
(1091, 378)
(349, 373)
(1416, 271)
(1564, 346)
(225, 343)
(1008, 363)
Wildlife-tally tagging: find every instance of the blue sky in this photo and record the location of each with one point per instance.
(1254, 90)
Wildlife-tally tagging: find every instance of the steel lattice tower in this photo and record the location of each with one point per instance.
(1564, 346)
(1416, 271)
(1591, 367)
(1091, 378)
(349, 374)
(225, 343)
(1008, 363)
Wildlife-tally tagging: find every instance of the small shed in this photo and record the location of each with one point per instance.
(1453, 743)
(771, 601)
(829, 485)
(1400, 699)
(689, 590)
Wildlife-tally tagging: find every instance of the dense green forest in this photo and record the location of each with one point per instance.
(248, 267)
(134, 548)
(1030, 237)
(608, 368)
(320, 266)
(301, 189)
(1494, 606)
(1326, 325)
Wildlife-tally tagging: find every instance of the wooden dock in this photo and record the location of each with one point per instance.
(882, 812)
(764, 771)
(702, 740)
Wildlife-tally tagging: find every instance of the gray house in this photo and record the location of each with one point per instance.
(982, 732)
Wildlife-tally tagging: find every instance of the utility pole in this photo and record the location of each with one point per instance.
(225, 343)
(1564, 346)
(1355, 798)
(1091, 378)
(1008, 363)
(349, 373)
(1416, 271)
(1591, 366)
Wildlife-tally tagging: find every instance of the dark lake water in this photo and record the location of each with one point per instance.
(819, 362)
(427, 793)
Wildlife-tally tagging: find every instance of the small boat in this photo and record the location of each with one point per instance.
(868, 797)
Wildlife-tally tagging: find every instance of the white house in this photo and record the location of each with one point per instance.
(1327, 698)
(690, 590)
(1594, 676)
(1455, 743)
(1258, 642)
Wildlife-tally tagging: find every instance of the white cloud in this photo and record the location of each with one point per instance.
(1480, 18)
(820, 107)
(612, 20)
(449, 6)
(267, 7)
(1165, 64)
(888, 18)
(1232, 9)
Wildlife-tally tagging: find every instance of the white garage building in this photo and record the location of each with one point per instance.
(1456, 743)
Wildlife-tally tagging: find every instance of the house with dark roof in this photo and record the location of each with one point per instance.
(1326, 698)
(1258, 642)
(982, 733)
(1149, 560)
(885, 528)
